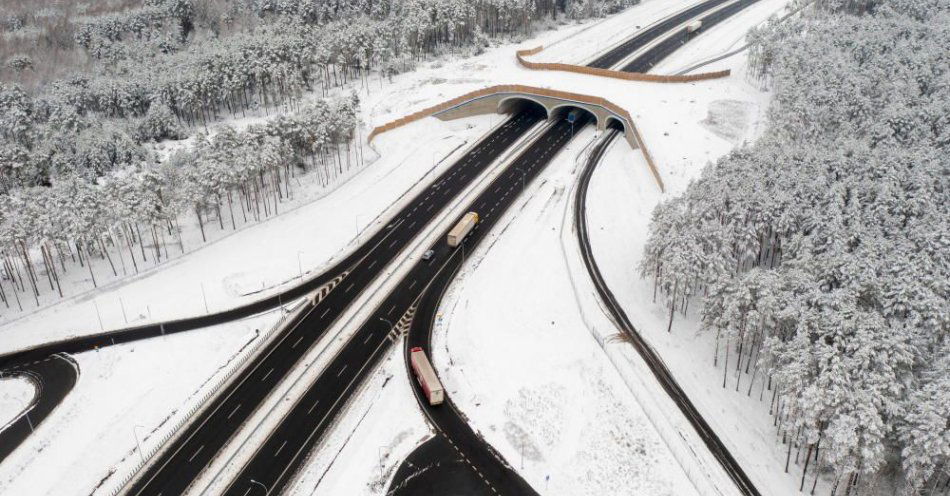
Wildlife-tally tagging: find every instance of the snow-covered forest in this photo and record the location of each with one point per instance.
(81, 181)
(820, 255)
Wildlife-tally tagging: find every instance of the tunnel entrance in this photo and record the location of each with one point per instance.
(516, 105)
(574, 115)
(615, 123)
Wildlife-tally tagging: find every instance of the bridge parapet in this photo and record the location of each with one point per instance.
(499, 98)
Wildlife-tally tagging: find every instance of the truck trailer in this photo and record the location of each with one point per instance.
(694, 26)
(425, 374)
(462, 229)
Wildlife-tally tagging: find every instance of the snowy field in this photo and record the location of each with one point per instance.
(124, 392)
(587, 406)
(619, 208)
(533, 382)
(16, 393)
(263, 258)
(138, 388)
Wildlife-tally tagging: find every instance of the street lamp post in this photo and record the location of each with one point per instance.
(523, 175)
(379, 451)
(266, 491)
(299, 265)
(137, 442)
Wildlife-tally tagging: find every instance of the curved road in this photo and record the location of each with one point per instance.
(356, 269)
(53, 378)
(275, 461)
(649, 355)
(434, 468)
(449, 422)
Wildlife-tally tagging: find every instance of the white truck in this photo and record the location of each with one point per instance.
(694, 26)
(464, 226)
(425, 374)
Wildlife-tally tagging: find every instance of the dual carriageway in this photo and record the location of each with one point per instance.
(412, 303)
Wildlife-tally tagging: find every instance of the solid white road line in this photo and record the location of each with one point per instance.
(196, 453)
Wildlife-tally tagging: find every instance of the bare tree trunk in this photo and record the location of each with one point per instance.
(669, 327)
(201, 225)
(725, 365)
(805, 470)
(128, 243)
(88, 264)
(52, 268)
(141, 241)
(105, 252)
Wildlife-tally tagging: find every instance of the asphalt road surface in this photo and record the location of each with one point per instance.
(53, 377)
(621, 51)
(661, 50)
(435, 468)
(649, 355)
(277, 459)
(183, 459)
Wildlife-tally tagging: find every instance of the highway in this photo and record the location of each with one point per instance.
(615, 55)
(276, 460)
(649, 355)
(188, 454)
(645, 61)
(176, 466)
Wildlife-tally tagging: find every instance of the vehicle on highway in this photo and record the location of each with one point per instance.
(694, 26)
(425, 374)
(428, 255)
(462, 229)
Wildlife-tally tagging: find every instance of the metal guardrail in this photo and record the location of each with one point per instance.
(233, 367)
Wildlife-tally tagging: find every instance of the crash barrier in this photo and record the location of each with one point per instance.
(235, 365)
(633, 137)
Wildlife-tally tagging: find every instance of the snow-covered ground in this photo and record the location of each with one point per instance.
(513, 314)
(619, 210)
(586, 44)
(16, 393)
(364, 450)
(593, 427)
(515, 355)
(269, 255)
(126, 391)
(234, 269)
(725, 37)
